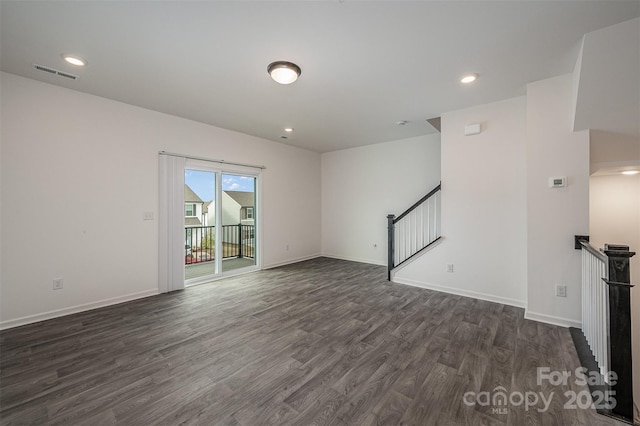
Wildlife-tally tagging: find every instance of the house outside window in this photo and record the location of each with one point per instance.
(249, 212)
(189, 210)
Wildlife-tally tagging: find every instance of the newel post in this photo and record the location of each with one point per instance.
(390, 240)
(619, 287)
(240, 240)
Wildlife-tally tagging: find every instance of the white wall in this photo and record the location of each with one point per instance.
(614, 217)
(554, 216)
(78, 171)
(361, 186)
(509, 236)
(483, 208)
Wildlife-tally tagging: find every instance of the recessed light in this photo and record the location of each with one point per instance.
(288, 129)
(74, 60)
(630, 172)
(469, 78)
(401, 122)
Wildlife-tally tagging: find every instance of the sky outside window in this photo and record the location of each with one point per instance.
(203, 183)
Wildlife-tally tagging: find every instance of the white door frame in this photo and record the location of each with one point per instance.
(208, 166)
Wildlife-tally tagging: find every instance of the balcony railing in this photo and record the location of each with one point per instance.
(238, 241)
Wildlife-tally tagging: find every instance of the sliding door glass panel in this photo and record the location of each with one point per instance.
(239, 218)
(199, 225)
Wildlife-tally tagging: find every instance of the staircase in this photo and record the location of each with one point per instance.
(414, 230)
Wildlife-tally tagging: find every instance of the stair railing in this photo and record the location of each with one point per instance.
(605, 339)
(414, 230)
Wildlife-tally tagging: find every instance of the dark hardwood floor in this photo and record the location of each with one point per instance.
(318, 342)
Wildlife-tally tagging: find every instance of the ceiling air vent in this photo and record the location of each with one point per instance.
(45, 69)
(64, 74)
(55, 72)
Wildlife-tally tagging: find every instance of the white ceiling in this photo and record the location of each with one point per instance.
(365, 65)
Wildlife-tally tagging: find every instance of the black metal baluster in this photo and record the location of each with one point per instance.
(186, 243)
(390, 244)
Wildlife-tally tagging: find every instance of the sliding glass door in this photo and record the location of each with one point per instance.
(220, 222)
(238, 221)
(199, 224)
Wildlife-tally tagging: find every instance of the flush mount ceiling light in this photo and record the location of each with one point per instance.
(284, 72)
(74, 60)
(630, 172)
(468, 78)
(288, 129)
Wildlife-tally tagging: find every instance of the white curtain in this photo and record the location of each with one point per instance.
(171, 223)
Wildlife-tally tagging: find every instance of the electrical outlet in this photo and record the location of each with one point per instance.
(58, 283)
(147, 216)
(449, 267)
(561, 290)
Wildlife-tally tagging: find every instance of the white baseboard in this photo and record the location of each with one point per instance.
(461, 292)
(550, 319)
(30, 319)
(290, 261)
(354, 259)
(534, 316)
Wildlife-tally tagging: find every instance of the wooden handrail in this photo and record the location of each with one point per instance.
(422, 200)
(594, 251)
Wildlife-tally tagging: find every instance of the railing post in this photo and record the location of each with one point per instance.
(390, 241)
(620, 327)
(240, 240)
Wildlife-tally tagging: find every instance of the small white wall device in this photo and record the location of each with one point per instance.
(558, 182)
(472, 129)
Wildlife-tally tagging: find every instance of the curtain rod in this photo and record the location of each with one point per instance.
(213, 161)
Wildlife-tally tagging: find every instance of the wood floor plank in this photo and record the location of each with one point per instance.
(458, 345)
(414, 375)
(366, 397)
(323, 341)
(425, 409)
(497, 378)
(390, 409)
(172, 403)
(323, 409)
(303, 397)
(362, 372)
